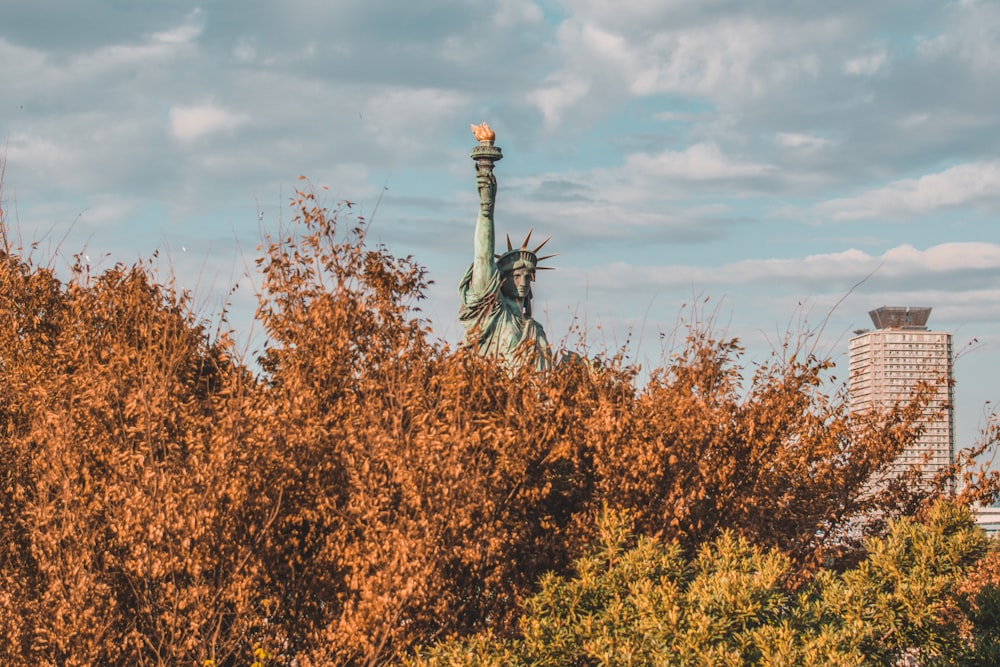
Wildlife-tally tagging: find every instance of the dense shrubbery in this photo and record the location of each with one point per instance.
(644, 604)
(368, 490)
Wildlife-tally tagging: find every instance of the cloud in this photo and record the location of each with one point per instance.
(735, 57)
(826, 271)
(606, 56)
(962, 185)
(401, 119)
(86, 154)
(245, 50)
(850, 74)
(190, 123)
(182, 34)
(672, 196)
(801, 141)
(515, 13)
(946, 257)
(39, 152)
(158, 46)
(700, 162)
(867, 63)
(899, 265)
(559, 95)
(31, 64)
(107, 211)
(971, 35)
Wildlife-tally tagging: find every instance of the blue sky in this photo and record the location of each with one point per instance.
(766, 156)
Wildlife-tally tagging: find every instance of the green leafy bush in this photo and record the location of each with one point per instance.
(633, 601)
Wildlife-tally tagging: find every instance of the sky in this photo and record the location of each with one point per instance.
(771, 166)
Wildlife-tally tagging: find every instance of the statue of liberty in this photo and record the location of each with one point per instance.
(496, 290)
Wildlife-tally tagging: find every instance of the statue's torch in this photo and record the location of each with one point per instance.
(485, 154)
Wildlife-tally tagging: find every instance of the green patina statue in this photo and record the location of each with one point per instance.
(496, 290)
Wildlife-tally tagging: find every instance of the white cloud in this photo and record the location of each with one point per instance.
(868, 63)
(512, 13)
(700, 162)
(191, 123)
(970, 34)
(675, 117)
(802, 141)
(157, 47)
(915, 121)
(403, 118)
(730, 58)
(245, 51)
(107, 211)
(723, 58)
(961, 185)
(558, 96)
(182, 34)
(30, 66)
(822, 271)
(38, 152)
(903, 261)
(946, 257)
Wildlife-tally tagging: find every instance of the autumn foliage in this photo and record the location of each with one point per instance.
(360, 488)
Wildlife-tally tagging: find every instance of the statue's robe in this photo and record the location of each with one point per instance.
(495, 325)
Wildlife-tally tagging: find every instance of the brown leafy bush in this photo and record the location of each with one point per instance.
(366, 489)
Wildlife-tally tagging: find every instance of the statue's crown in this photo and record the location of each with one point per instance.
(522, 258)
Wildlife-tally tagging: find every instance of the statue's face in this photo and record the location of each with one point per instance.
(518, 284)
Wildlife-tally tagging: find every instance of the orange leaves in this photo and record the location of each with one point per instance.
(366, 489)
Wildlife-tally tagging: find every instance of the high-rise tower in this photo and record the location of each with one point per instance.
(889, 362)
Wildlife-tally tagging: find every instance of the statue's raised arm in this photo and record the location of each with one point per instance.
(496, 290)
(484, 266)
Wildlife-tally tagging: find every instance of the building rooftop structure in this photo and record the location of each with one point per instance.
(900, 317)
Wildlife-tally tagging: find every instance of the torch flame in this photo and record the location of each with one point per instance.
(484, 133)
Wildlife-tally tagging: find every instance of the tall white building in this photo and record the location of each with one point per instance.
(888, 363)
